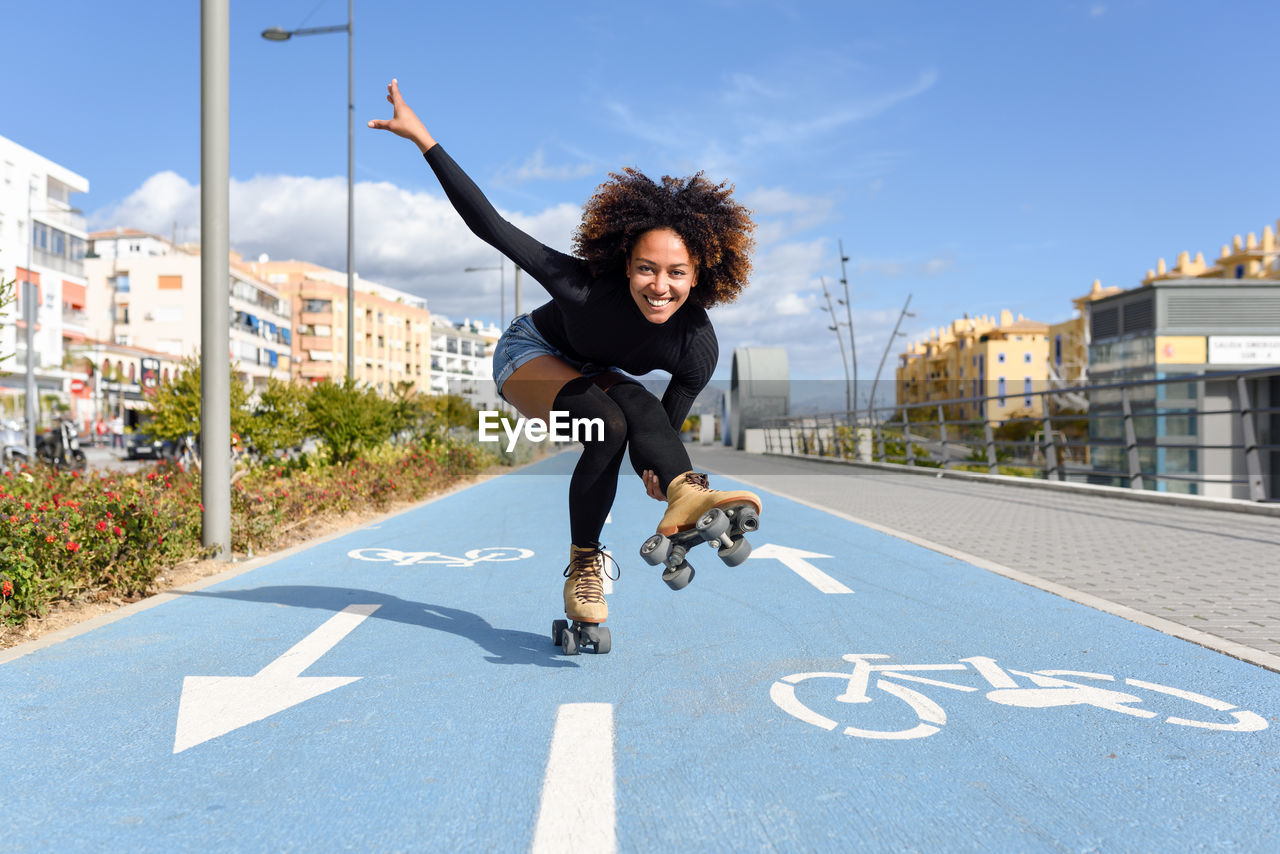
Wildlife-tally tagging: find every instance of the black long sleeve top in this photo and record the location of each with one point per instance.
(592, 319)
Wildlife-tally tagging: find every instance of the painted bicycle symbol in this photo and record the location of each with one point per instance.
(469, 559)
(1049, 689)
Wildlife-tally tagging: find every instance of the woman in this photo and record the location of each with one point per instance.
(653, 258)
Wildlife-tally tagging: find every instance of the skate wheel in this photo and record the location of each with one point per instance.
(603, 641)
(713, 525)
(748, 520)
(679, 577)
(569, 642)
(655, 550)
(558, 628)
(736, 553)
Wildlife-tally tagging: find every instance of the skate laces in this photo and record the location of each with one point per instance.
(698, 479)
(587, 566)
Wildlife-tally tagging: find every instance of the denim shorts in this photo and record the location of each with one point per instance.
(522, 343)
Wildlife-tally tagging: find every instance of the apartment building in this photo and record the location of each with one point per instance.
(1006, 358)
(42, 242)
(392, 327)
(462, 361)
(144, 291)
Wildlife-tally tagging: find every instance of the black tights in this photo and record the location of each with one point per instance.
(633, 418)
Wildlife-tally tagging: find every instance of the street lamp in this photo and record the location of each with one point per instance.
(502, 287)
(848, 309)
(276, 34)
(871, 404)
(839, 340)
(30, 313)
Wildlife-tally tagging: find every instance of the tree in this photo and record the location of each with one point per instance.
(176, 406)
(349, 418)
(280, 418)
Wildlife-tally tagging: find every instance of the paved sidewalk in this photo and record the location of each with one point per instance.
(1212, 571)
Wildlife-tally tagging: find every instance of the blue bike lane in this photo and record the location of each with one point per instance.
(397, 689)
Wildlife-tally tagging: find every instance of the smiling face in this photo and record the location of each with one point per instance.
(660, 273)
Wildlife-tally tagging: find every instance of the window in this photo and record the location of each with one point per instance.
(1057, 349)
(1239, 271)
(1000, 390)
(1026, 358)
(317, 306)
(1026, 391)
(1000, 357)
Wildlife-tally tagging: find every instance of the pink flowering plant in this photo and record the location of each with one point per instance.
(70, 535)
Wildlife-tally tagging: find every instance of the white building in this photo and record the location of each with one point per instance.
(462, 361)
(43, 241)
(144, 291)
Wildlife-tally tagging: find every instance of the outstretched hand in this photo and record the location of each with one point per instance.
(404, 121)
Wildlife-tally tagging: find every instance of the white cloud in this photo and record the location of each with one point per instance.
(536, 168)
(415, 241)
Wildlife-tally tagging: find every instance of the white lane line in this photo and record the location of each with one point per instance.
(577, 809)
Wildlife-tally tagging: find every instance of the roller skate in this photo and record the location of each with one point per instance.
(696, 513)
(584, 603)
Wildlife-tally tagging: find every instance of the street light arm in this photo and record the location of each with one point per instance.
(276, 34)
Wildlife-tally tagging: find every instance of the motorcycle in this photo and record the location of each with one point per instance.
(60, 447)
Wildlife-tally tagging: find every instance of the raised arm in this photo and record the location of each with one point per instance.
(556, 271)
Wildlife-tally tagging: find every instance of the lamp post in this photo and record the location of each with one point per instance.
(836, 329)
(848, 310)
(502, 287)
(871, 404)
(279, 35)
(30, 313)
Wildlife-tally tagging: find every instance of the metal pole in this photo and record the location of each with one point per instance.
(518, 272)
(853, 348)
(893, 337)
(1130, 441)
(942, 436)
(1257, 491)
(215, 275)
(836, 329)
(351, 216)
(990, 439)
(30, 313)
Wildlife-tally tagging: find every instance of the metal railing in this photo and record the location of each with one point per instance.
(1144, 434)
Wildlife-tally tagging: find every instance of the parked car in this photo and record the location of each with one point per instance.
(144, 446)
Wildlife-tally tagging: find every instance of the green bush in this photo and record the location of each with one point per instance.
(64, 535)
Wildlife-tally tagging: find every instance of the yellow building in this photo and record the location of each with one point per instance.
(392, 328)
(1006, 358)
(1245, 258)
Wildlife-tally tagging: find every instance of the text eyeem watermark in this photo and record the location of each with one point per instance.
(560, 428)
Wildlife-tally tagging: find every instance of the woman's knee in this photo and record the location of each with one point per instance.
(581, 399)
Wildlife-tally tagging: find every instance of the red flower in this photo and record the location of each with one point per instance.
(51, 538)
(116, 530)
(26, 505)
(151, 475)
(6, 588)
(102, 526)
(73, 547)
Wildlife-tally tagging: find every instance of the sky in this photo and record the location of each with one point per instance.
(975, 156)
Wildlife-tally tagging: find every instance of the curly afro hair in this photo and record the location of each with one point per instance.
(715, 229)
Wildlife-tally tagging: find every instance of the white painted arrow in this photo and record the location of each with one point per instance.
(795, 560)
(215, 705)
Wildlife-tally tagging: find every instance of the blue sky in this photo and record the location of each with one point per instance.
(979, 156)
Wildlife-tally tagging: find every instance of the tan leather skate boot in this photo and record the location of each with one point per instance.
(689, 497)
(584, 586)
